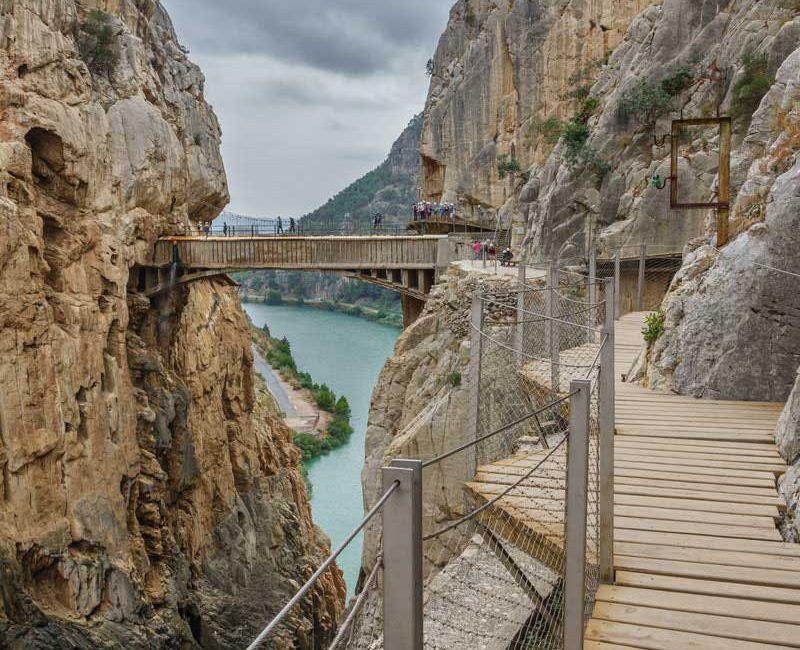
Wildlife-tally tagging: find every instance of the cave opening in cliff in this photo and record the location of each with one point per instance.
(48, 167)
(432, 178)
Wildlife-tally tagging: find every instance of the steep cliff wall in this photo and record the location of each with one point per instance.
(145, 499)
(501, 71)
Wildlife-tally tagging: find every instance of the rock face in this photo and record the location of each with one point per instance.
(788, 439)
(501, 70)
(539, 84)
(733, 316)
(147, 500)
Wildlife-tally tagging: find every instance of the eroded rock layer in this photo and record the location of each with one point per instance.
(147, 499)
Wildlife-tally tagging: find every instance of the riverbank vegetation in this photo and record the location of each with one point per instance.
(322, 291)
(278, 354)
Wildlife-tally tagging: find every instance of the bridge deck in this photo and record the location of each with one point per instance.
(699, 560)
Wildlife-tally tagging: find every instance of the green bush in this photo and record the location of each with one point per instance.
(649, 100)
(273, 297)
(325, 398)
(508, 166)
(551, 130)
(98, 44)
(751, 87)
(653, 326)
(342, 407)
(645, 102)
(308, 444)
(339, 431)
(681, 77)
(455, 379)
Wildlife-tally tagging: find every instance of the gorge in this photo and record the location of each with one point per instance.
(151, 493)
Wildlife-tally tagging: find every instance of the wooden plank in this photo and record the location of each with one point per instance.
(719, 436)
(689, 460)
(690, 422)
(713, 556)
(658, 639)
(599, 645)
(688, 495)
(701, 604)
(679, 468)
(719, 572)
(729, 449)
(734, 508)
(716, 479)
(683, 515)
(776, 549)
(756, 446)
(694, 528)
(708, 587)
(710, 624)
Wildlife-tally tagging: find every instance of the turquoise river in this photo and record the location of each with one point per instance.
(347, 353)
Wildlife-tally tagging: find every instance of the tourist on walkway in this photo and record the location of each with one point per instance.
(476, 248)
(292, 225)
(279, 227)
(224, 228)
(506, 257)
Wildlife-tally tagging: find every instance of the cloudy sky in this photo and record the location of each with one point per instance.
(310, 93)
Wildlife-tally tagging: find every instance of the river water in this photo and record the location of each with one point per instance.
(346, 353)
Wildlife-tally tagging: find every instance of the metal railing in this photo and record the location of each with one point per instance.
(520, 557)
(298, 230)
(642, 273)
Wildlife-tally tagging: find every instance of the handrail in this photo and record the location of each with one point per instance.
(472, 443)
(358, 604)
(490, 503)
(322, 569)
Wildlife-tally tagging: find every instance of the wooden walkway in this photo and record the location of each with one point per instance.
(699, 560)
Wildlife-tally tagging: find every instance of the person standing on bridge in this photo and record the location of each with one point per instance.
(476, 248)
(279, 227)
(225, 228)
(292, 225)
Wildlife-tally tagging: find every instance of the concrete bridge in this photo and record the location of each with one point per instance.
(408, 264)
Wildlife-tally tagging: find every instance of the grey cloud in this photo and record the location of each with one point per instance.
(353, 37)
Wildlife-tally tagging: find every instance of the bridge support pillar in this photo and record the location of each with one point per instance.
(412, 308)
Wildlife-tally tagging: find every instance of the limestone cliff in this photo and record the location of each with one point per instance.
(147, 500)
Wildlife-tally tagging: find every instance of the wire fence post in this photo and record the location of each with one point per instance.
(475, 353)
(617, 313)
(553, 333)
(592, 285)
(607, 396)
(519, 332)
(402, 557)
(640, 284)
(576, 512)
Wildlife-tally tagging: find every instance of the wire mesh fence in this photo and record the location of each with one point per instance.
(503, 581)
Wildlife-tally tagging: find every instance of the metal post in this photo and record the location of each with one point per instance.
(606, 444)
(554, 339)
(593, 316)
(640, 285)
(616, 285)
(575, 516)
(475, 354)
(519, 332)
(402, 557)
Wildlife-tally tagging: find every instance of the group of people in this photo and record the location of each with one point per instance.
(426, 210)
(486, 249)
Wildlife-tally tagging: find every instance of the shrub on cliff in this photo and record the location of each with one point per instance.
(98, 44)
(508, 166)
(325, 398)
(308, 444)
(751, 87)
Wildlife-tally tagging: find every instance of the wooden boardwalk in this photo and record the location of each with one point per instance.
(699, 560)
